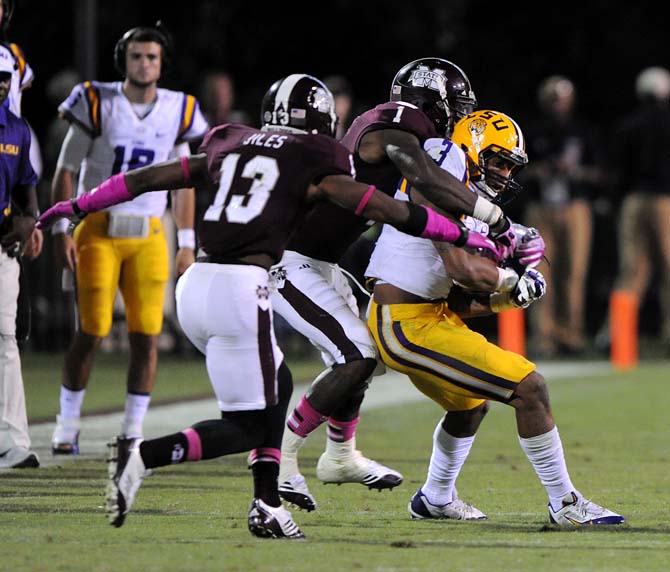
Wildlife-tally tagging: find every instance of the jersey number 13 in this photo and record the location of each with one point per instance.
(263, 172)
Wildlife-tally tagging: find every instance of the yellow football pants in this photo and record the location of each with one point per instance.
(139, 267)
(447, 361)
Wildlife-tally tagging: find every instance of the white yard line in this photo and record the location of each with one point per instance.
(391, 388)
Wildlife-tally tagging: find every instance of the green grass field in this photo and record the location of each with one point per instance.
(193, 516)
(178, 378)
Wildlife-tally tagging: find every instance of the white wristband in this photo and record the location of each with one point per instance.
(186, 238)
(60, 226)
(486, 211)
(507, 280)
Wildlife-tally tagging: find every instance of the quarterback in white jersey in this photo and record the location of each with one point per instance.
(416, 319)
(120, 137)
(115, 127)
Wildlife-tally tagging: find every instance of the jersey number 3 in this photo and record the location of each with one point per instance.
(263, 172)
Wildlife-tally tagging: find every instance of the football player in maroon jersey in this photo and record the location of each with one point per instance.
(314, 296)
(264, 181)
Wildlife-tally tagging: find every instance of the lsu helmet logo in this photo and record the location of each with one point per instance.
(477, 127)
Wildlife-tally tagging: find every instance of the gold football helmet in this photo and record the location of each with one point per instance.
(496, 151)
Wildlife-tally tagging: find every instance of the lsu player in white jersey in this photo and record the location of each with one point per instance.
(114, 127)
(422, 290)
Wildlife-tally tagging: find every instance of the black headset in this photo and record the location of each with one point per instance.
(157, 33)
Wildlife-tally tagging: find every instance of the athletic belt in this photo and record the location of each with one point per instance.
(217, 259)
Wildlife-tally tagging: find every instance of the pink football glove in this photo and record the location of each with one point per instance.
(110, 192)
(506, 243)
(530, 250)
(476, 240)
(62, 209)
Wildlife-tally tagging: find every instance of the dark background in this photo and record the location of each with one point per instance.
(505, 48)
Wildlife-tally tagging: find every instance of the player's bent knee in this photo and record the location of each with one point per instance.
(465, 423)
(531, 390)
(359, 370)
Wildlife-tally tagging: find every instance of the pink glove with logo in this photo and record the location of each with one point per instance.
(110, 192)
(506, 242)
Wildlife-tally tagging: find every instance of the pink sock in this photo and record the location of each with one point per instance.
(341, 431)
(194, 444)
(265, 455)
(304, 418)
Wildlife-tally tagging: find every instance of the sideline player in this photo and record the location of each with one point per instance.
(264, 182)
(115, 127)
(314, 296)
(415, 318)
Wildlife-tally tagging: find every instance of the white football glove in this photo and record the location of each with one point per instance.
(530, 287)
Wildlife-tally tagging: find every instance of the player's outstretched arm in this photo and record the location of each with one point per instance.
(437, 185)
(412, 219)
(175, 174)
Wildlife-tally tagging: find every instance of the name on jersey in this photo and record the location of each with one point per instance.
(9, 149)
(265, 140)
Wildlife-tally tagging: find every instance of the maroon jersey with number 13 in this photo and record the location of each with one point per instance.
(262, 180)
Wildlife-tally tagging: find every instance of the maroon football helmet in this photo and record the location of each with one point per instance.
(439, 88)
(300, 103)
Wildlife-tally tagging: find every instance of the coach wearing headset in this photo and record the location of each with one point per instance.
(118, 126)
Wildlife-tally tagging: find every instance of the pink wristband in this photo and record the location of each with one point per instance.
(185, 171)
(364, 200)
(110, 192)
(440, 228)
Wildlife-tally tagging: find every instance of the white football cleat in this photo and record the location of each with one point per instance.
(126, 470)
(293, 489)
(267, 521)
(65, 439)
(420, 508)
(578, 511)
(355, 468)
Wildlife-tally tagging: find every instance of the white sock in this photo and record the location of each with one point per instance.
(71, 402)
(449, 455)
(290, 445)
(136, 409)
(545, 453)
(340, 450)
